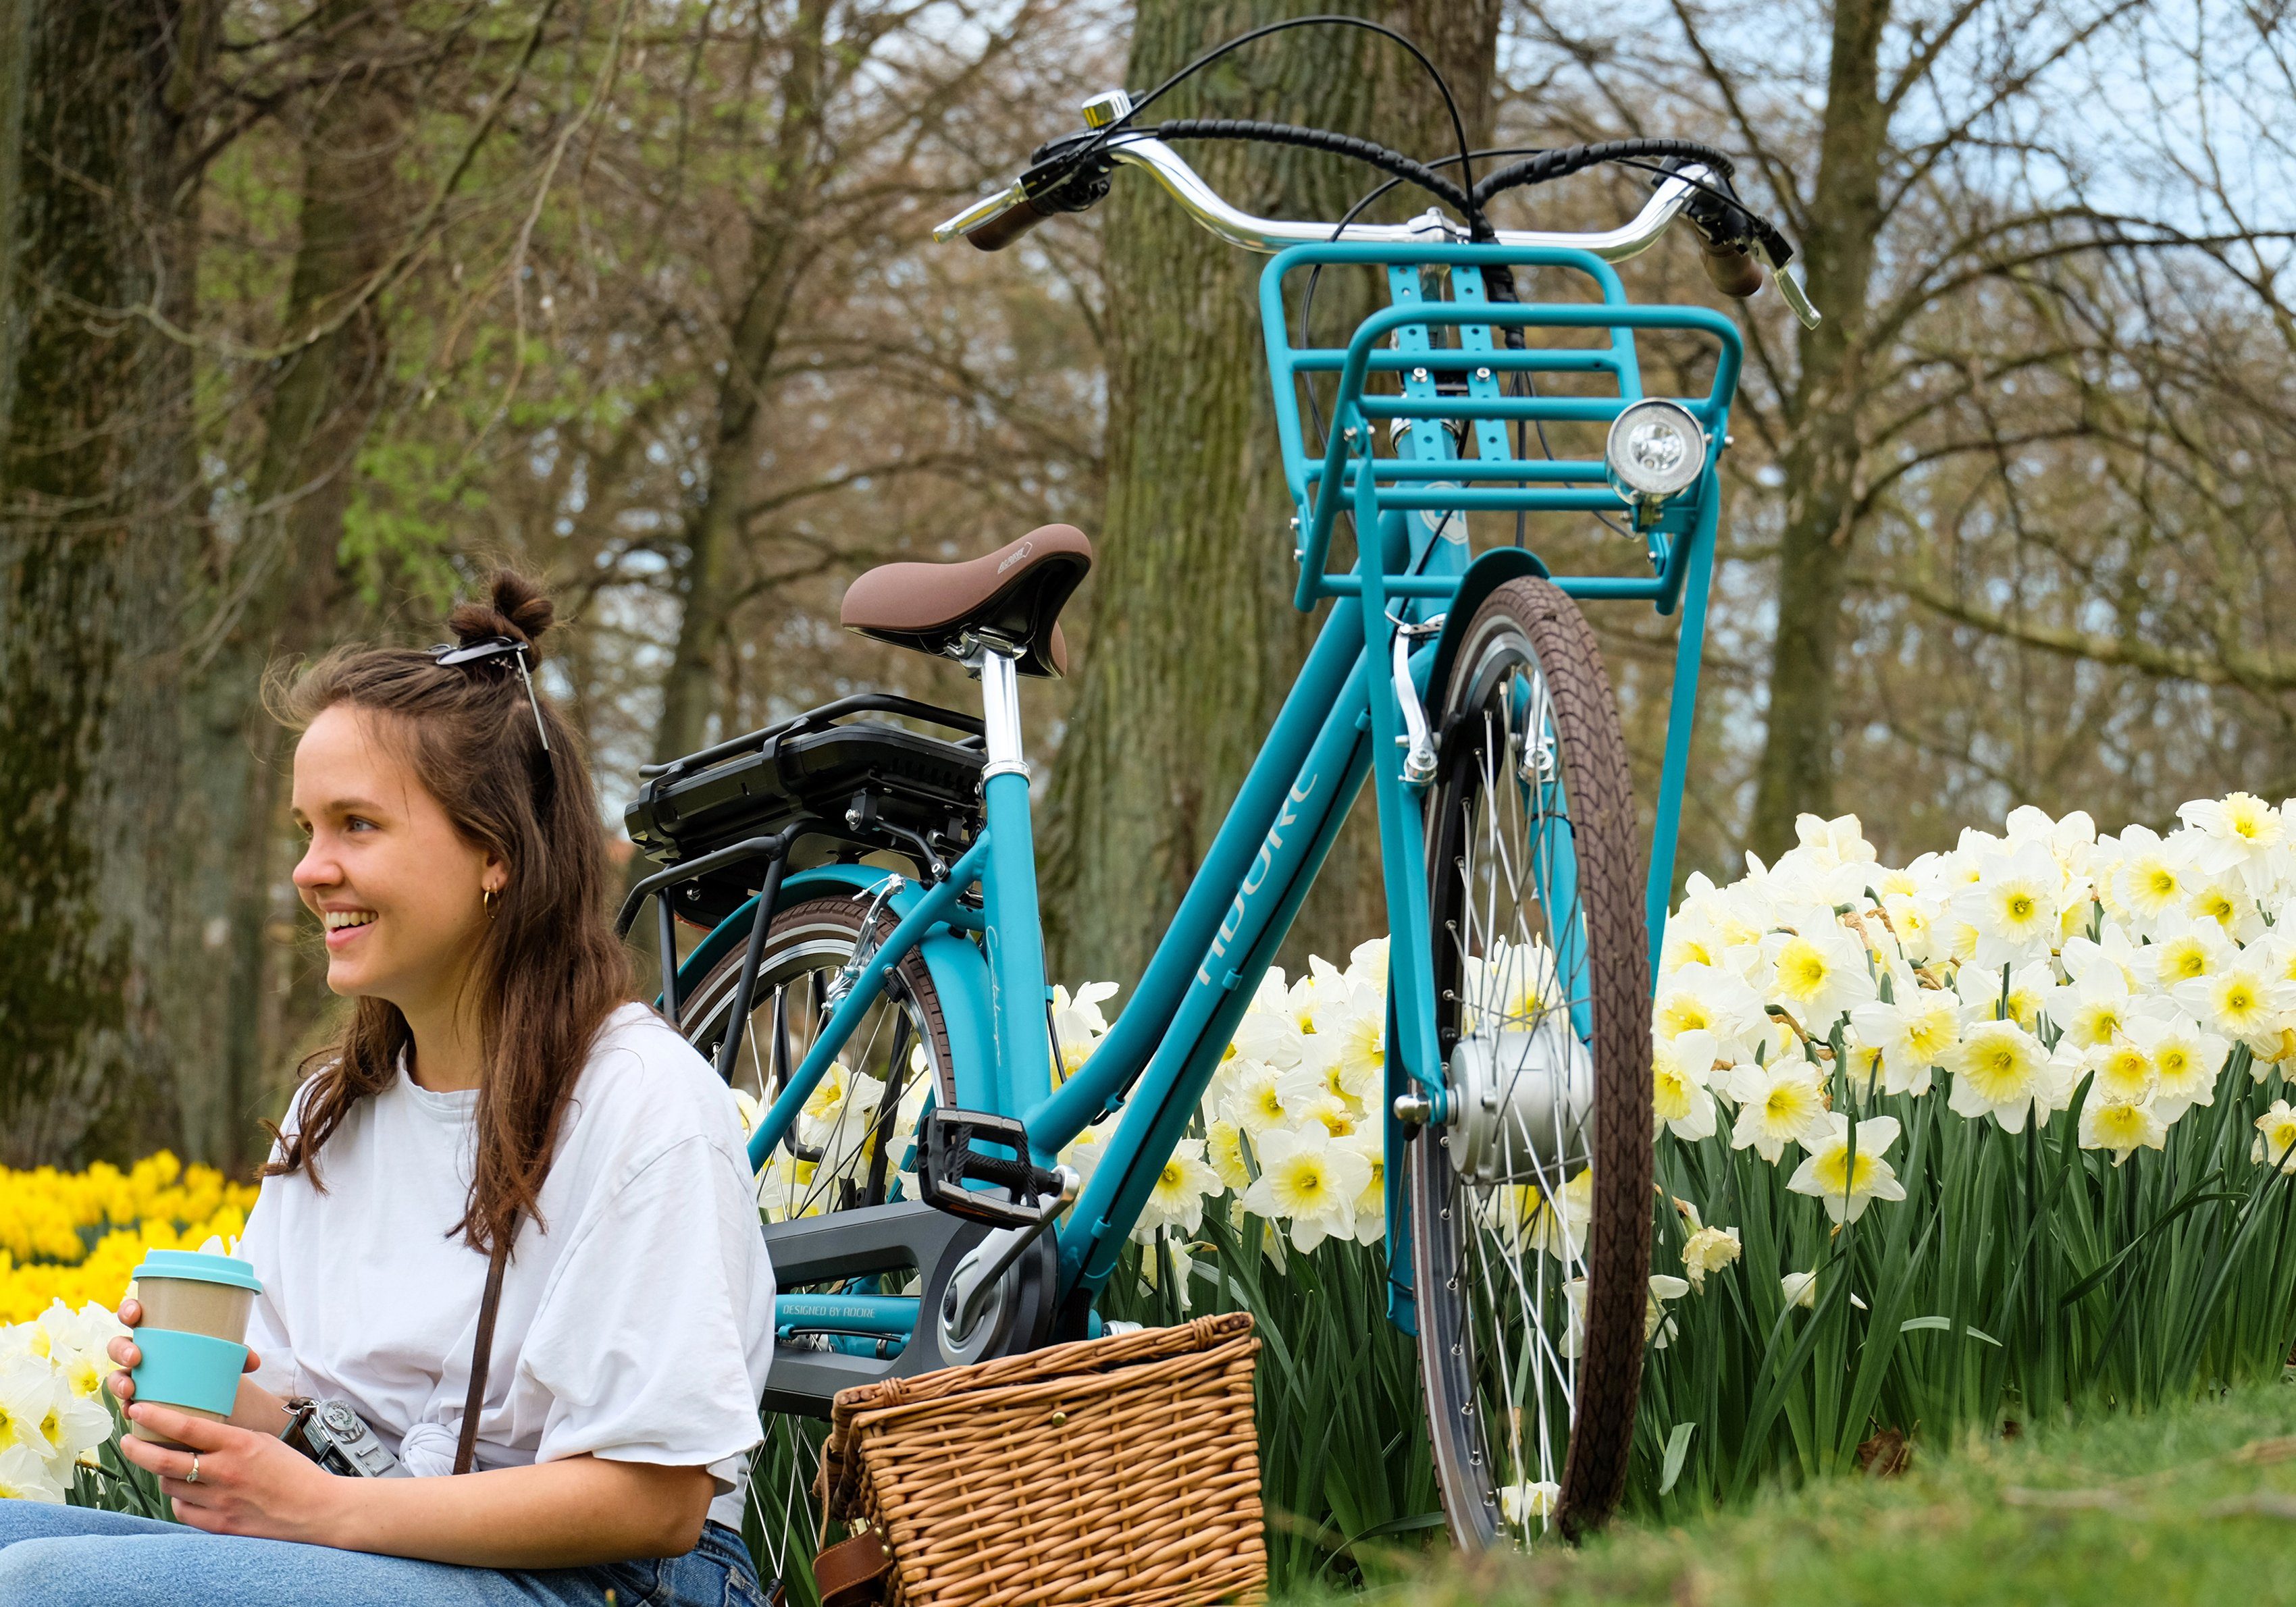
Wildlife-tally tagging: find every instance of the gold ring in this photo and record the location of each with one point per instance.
(193, 1476)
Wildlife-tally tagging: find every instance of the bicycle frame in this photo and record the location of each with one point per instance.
(1343, 721)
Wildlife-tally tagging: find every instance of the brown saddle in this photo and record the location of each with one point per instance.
(1013, 595)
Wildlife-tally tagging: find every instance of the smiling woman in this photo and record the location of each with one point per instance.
(495, 1087)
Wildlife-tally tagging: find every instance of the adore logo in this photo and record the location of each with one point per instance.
(1257, 877)
(1017, 556)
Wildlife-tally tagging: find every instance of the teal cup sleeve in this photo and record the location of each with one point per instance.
(188, 1370)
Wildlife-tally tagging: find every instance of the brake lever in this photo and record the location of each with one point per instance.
(1791, 288)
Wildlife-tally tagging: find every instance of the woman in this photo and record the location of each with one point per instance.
(496, 1105)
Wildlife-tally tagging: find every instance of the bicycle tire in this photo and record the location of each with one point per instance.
(1529, 635)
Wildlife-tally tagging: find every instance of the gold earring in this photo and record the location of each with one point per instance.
(488, 894)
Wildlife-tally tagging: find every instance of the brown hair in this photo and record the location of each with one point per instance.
(549, 970)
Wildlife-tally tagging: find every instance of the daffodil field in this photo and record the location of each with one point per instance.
(68, 1242)
(2002, 1133)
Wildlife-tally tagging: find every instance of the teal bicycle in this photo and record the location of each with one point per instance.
(895, 1023)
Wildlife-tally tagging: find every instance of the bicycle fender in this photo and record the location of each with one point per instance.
(1484, 575)
(953, 962)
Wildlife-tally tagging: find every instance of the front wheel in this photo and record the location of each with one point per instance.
(1530, 1195)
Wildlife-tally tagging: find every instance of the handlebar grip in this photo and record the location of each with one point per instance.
(1733, 269)
(1006, 227)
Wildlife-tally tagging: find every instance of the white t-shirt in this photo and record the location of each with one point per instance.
(637, 1326)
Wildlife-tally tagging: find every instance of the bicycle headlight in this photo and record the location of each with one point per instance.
(1655, 450)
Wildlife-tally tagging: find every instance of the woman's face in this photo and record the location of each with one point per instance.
(398, 889)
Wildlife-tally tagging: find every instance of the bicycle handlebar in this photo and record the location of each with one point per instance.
(1057, 184)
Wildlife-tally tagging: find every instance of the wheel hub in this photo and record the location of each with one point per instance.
(1519, 1103)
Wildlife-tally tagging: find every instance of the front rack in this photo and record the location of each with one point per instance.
(1406, 339)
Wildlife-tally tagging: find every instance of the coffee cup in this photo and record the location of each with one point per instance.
(193, 1333)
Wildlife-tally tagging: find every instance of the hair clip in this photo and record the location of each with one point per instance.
(496, 647)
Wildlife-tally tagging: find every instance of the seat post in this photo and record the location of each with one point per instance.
(1013, 934)
(1000, 708)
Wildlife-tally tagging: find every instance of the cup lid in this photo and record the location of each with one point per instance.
(199, 1267)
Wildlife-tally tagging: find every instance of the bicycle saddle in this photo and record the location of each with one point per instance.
(1015, 593)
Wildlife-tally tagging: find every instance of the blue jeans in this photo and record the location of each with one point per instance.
(74, 1556)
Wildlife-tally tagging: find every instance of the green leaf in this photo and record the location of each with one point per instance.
(1677, 1448)
(1945, 1324)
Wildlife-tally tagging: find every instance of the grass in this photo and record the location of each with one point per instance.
(2189, 1502)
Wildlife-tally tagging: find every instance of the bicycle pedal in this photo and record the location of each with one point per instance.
(948, 1158)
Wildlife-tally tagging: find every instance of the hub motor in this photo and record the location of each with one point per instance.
(1519, 1103)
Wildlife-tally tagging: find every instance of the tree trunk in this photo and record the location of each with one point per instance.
(1194, 640)
(270, 594)
(1796, 772)
(95, 467)
(775, 260)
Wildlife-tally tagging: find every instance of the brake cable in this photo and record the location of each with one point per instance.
(1459, 124)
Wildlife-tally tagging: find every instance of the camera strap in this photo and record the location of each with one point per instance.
(466, 1448)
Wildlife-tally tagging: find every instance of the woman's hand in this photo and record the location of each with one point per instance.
(257, 1407)
(249, 1483)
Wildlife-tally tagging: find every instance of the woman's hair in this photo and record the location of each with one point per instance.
(549, 970)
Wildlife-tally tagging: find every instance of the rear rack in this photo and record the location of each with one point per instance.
(725, 822)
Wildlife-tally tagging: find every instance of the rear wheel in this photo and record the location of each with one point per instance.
(849, 1147)
(1531, 1197)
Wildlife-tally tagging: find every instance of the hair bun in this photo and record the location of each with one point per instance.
(516, 608)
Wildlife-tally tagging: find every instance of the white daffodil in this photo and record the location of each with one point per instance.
(76, 1343)
(1679, 1098)
(1082, 1154)
(1257, 1104)
(1369, 1142)
(1307, 1180)
(2123, 1071)
(1707, 998)
(1709, 1250)
(1915, 921)
(2149, 880)
(1533, 1501)
(2022, 994)
(1178, 1199)
(2122, 1126)
(1271, 1038)
(2094, 1009)
(1915, 1033)
(1525, 1219)
(786, 1189)
(2236, 832)
(1818, 976)
(1306, 1099)
(1778, 1104)
(2236, 999)
(2013, 905)
(2185, 951)
(1151, 1269)
(2001, 1070)
(1078, 1023)
(1367, 964)
(1354, 1018)
(1224, 1149)
(28, 1392)
(2185, 1060)
(1845, 1181)
(840, 1117)
(2275, 1137)
(1511, 988)
(1658, 1328)
(1801, 1289)
(25, 1476)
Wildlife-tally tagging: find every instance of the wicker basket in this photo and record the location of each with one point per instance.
(1112, 1471)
